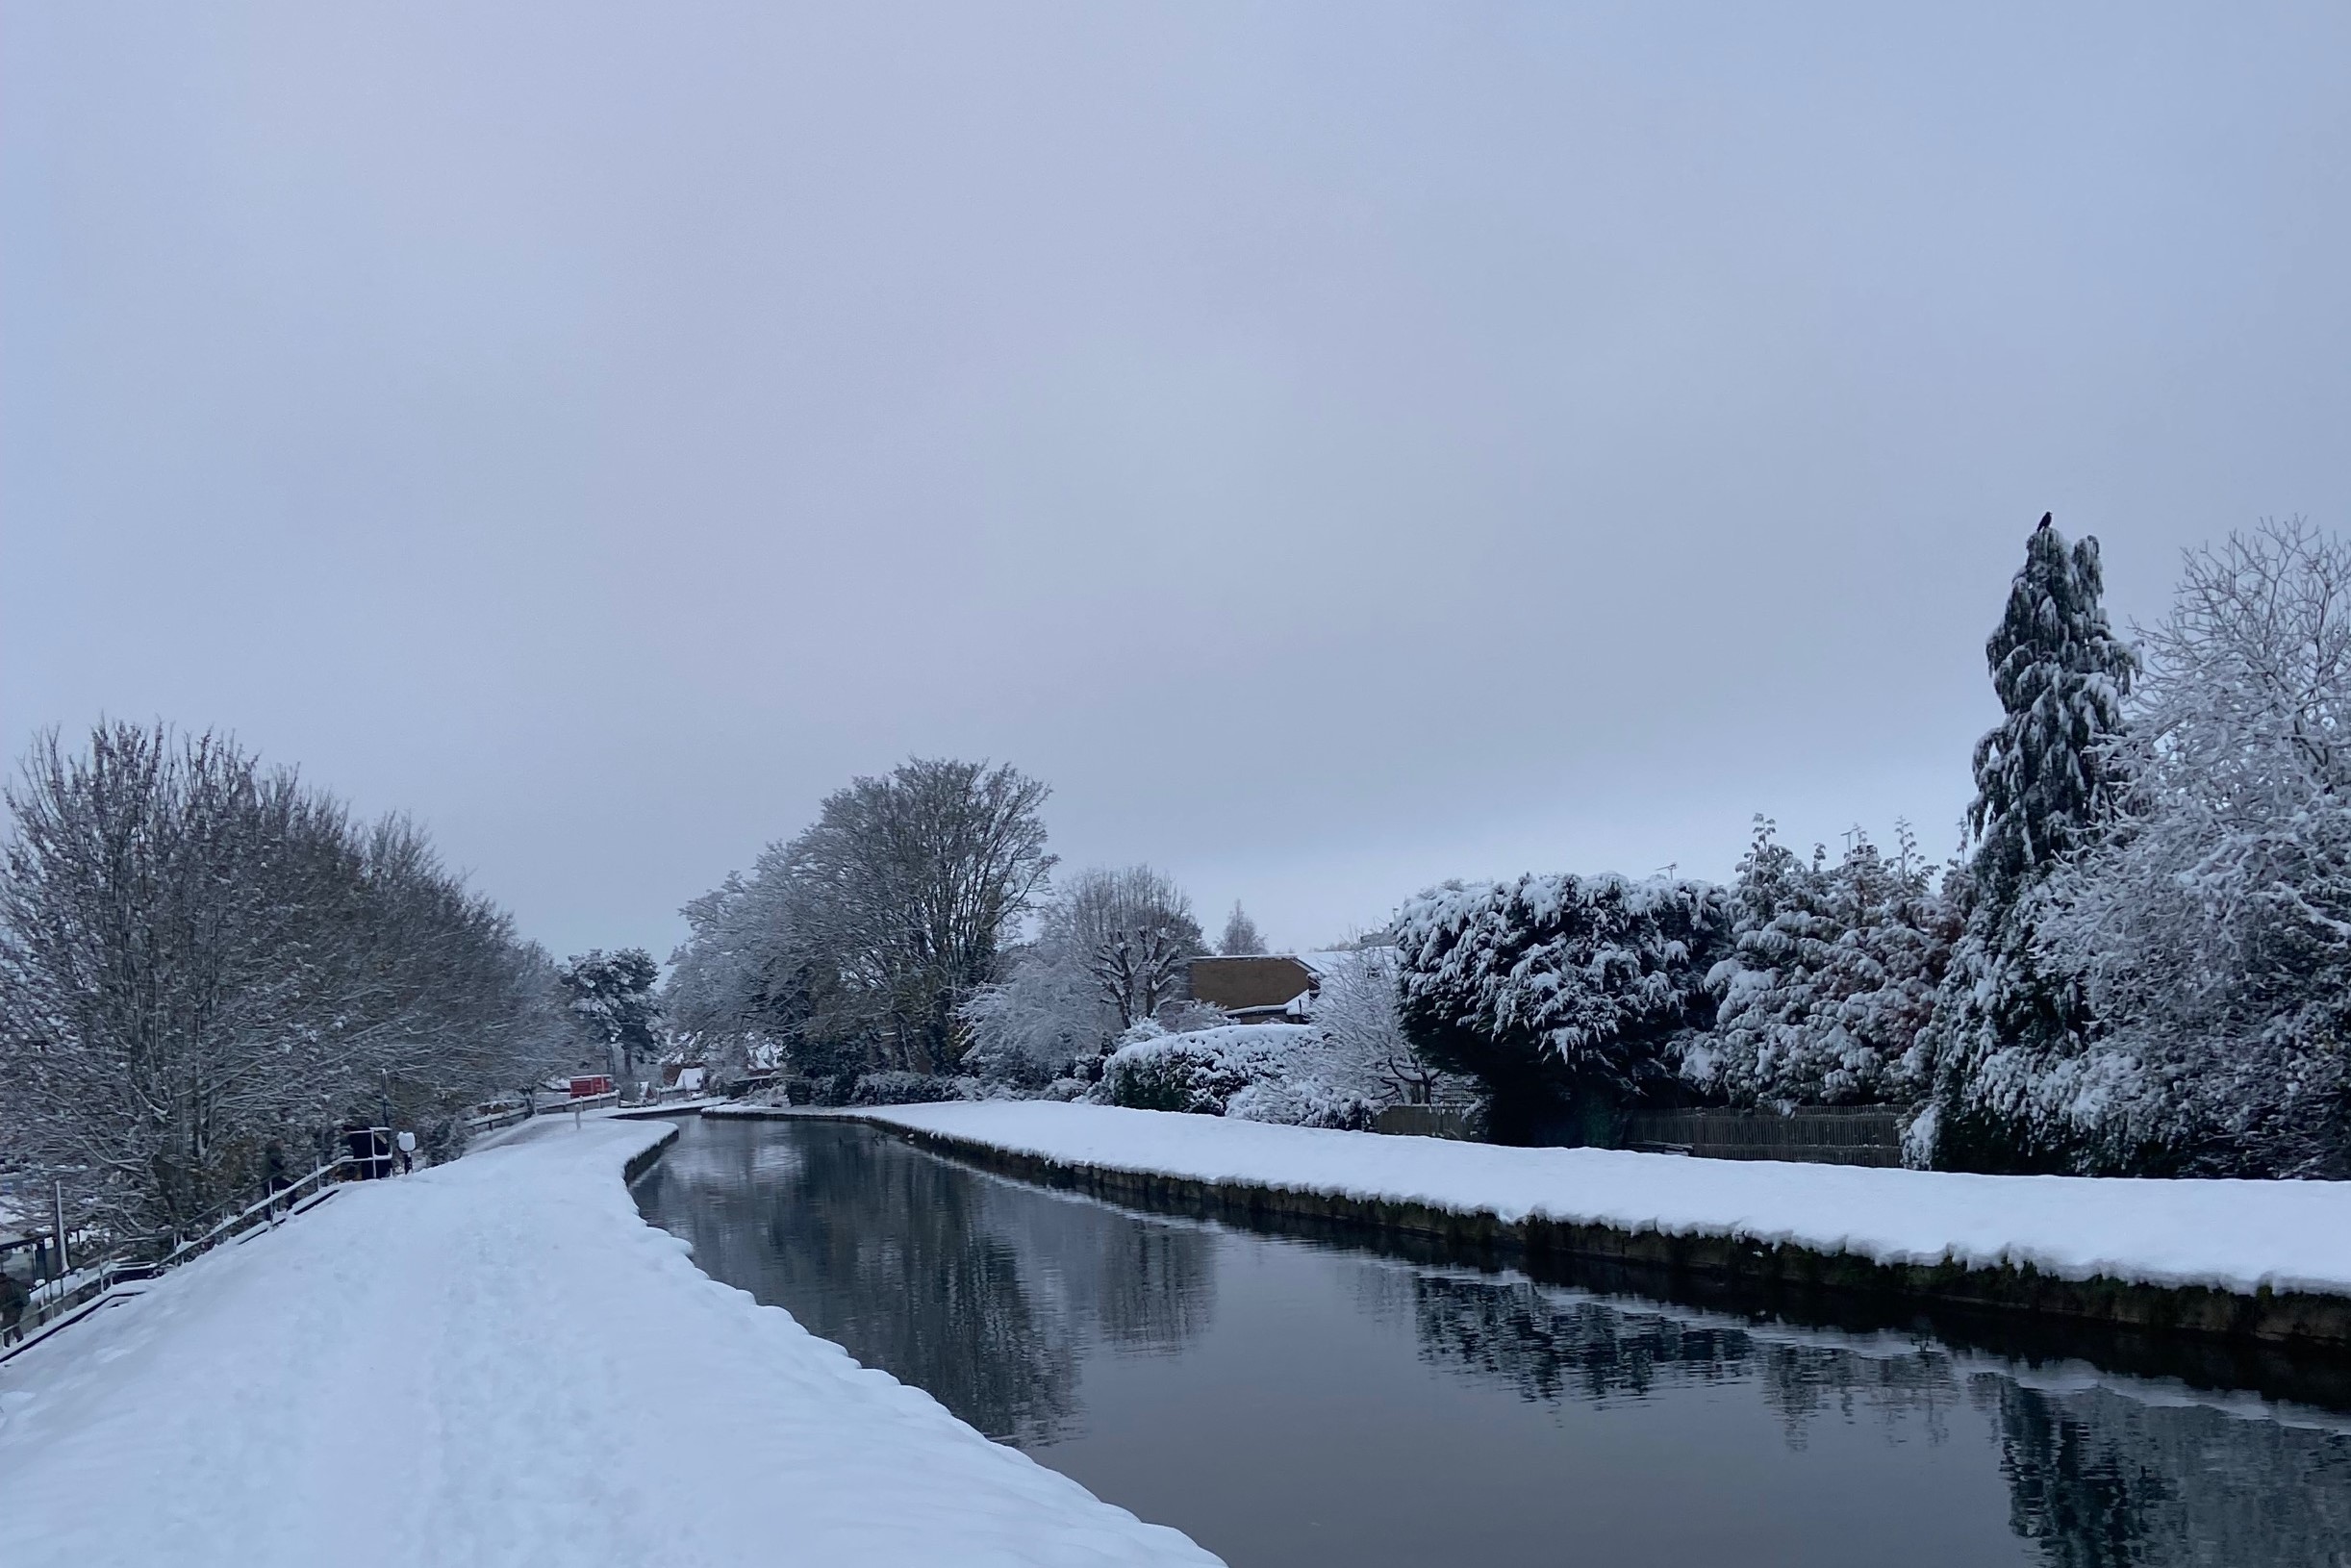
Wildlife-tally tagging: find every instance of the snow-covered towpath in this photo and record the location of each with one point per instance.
(2233, 1235)
(497, 1361)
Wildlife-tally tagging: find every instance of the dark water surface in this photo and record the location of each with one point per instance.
(1284, 1402)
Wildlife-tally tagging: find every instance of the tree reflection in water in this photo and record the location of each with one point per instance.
(2097, 1479)
(911, 1264)
(2100, 1481)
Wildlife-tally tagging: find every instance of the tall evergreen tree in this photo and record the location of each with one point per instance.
(2045, 785)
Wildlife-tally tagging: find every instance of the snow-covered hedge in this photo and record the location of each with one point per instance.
(1562, 993)
(894, 1088)
(1257, 1072)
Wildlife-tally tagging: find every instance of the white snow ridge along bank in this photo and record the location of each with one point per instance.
(2235, 1236)
(498, 1362)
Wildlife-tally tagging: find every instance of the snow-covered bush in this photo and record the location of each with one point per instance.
(1030, 1030)
(1155, 1070)
(1285, 1072)
(898, 1088)
(1567, 995)
(1303, 1103)
(1831, 975)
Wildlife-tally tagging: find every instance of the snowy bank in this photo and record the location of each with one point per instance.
(2233, 1237)
(497, 1361)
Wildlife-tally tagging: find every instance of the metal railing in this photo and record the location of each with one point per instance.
(82, 1289)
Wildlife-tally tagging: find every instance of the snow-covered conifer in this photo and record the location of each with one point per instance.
(2046, 782)
(1833, 972)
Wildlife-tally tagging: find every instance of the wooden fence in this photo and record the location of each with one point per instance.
(1820, 1134)
(1425, 1121)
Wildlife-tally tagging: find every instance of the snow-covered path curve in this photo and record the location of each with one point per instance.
(500, 1362)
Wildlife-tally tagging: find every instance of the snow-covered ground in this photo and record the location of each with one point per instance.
(2237, 1235)
(497, 1361)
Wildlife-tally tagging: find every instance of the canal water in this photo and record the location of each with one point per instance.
(1287, 1401)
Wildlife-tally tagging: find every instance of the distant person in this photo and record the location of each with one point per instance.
(14, 1300)
(408, 1151)
(273, 1171)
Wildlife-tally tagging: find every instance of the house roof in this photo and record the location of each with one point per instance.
(1254, 980)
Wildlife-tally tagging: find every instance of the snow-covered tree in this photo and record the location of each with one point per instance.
(1111, 951)
(1356, 1009)
(2212, 928)
(1046, 1019)
(750, 988)
(2046, 782)
(1240, 939)
(854, 944)
(908, 889)
(1568, 997)
(199, 958)
(1833, 972)
(612, 1002)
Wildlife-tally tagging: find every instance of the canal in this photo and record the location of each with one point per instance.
(1289, 1401)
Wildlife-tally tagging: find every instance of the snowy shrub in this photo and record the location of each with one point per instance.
(1831, 975)
(1028, 1030)
(894, 1088)
(1567, 995)
(1200, 1072)
(1303, 1103)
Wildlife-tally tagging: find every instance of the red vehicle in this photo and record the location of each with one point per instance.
(584, 1088)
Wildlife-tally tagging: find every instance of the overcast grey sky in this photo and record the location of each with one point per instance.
(1337, 447)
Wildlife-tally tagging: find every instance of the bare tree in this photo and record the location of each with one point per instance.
(1133, 930)
(1110, 952)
